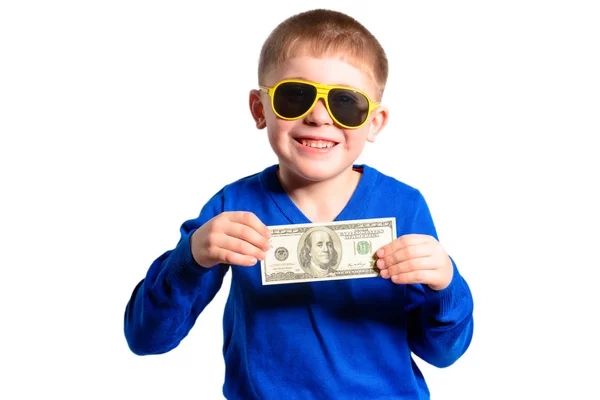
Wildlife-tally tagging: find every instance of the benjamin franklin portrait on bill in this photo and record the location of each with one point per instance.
(319, 252)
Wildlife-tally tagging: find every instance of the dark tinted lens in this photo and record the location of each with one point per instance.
(293, 99)
(349, 107)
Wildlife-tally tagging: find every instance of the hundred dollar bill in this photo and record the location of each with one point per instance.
(325, 251)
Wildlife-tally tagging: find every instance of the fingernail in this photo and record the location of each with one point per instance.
(253, 260)
(380, 253)
(380, 264)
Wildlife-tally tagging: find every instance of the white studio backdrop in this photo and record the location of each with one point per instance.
(119, 120)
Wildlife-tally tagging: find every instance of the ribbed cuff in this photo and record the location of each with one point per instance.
(444, 301)
(182, 270)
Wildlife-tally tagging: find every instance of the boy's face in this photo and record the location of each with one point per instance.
(314, 147)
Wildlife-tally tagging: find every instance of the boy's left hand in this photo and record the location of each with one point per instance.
(415, 259)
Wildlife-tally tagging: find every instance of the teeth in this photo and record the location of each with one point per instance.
(318, 144)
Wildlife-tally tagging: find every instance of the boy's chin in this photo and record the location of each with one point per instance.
(317, 172)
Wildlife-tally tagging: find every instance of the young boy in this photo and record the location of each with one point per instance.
(329, 339)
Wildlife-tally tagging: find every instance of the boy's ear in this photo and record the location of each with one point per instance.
(257, 110)
(379, 119)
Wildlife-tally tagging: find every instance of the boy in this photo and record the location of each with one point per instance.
(340, 339)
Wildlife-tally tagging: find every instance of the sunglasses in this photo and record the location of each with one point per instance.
(292, 99)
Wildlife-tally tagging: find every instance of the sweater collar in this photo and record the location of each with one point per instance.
(353, 210)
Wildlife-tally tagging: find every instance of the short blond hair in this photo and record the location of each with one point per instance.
(321, 33)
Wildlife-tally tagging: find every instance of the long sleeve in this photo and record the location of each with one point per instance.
(165, 305)
(440, 323)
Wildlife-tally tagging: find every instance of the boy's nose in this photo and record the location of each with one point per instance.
(318, 115)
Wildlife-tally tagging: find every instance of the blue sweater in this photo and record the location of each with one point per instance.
(343, 339)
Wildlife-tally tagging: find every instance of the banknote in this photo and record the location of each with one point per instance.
(325, 251)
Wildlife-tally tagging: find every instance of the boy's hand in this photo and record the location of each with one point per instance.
(238, 238)
(415, 259)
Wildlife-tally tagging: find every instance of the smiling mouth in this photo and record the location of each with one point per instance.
(316, 144)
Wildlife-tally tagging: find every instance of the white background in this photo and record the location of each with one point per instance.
(119, 119)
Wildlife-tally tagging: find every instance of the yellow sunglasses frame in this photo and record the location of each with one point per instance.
(322, 93)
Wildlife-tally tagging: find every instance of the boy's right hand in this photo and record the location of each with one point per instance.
(238, 238)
